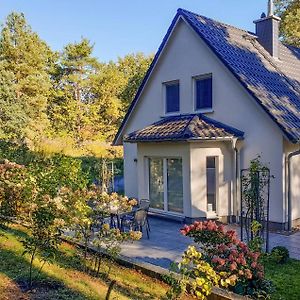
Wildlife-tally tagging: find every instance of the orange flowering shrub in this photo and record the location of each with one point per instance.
(225, 252)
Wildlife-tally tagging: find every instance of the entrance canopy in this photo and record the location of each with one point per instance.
(184, 128)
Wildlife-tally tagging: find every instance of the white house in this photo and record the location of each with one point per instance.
(213, 98)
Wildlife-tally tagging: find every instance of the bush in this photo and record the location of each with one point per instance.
(198, 277)
(280, 254)
(226, 253)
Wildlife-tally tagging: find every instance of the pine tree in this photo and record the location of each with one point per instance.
(24, 61)
(69, 110)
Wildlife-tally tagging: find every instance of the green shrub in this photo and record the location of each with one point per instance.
(280, 254)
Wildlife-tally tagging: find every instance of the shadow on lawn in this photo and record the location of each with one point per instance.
(16, 267)
(74, 261)
(46, 287)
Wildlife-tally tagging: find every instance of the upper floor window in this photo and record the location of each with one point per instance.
(203, 92)
(172, 97)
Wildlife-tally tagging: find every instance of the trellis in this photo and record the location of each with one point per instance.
(255, 204)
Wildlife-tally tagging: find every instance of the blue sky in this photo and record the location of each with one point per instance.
(119, 27)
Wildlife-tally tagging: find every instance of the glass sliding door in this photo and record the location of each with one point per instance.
(156, 183)
(175, 185)
(166, 184)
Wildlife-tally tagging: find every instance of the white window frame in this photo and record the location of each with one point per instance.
(164, 97)
(165, 179)
(217, 180)
(194, 93)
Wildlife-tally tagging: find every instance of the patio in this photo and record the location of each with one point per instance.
(166, 244)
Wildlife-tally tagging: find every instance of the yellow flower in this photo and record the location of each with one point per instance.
(105, 227)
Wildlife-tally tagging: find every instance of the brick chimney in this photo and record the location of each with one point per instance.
(267, 31)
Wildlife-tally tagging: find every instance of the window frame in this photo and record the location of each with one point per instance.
(165, 182)
(194, 94)
(216, 168)
(170, 83)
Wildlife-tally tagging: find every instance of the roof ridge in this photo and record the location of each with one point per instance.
(214, 20)
(187, 131)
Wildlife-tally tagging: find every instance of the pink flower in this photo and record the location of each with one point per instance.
(221, 228)
(248, 274)
(260, 275)
(221, 261)
(233, 266)
(215, 260)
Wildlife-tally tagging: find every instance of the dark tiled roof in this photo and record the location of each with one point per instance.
(183, 128)
(274, 84)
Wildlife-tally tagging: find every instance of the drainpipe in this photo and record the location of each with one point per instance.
(236, 179)
(289, 195)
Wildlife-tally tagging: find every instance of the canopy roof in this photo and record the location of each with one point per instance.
(184, 128)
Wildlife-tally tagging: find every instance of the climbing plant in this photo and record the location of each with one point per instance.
(255, 198)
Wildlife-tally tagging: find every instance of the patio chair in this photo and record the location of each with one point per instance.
(139, 221)
(145, 204)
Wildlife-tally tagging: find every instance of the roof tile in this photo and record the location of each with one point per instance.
(183, 128)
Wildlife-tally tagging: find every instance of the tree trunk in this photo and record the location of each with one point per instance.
(110, 288)
(30, 268)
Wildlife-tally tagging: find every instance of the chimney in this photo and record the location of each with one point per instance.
(267, 31)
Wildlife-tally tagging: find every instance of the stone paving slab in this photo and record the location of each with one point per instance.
(166, 244)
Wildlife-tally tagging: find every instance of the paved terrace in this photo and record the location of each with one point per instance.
(166, 244)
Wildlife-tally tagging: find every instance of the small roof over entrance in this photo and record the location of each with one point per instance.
(184, 128)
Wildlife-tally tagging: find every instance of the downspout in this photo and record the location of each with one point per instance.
(289, 194)
(234, 203)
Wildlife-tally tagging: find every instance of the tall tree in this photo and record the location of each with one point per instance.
(24, 69)
(70, 109)
(289, 11)
(134, 68)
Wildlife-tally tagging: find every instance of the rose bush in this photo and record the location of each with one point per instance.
(223, 250)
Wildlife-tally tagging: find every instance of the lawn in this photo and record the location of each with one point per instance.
(64, 277)
(286, 278)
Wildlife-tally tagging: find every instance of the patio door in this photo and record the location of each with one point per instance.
(166, 184)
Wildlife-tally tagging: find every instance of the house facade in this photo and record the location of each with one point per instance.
(213, 99)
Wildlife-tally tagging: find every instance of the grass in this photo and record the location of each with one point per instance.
(64, 278)
(286, 278)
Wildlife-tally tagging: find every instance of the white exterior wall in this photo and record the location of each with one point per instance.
(130, 170)
(185, 56)
(295, 181)
(225, 176)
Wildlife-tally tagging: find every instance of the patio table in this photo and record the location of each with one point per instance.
(118, 214)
